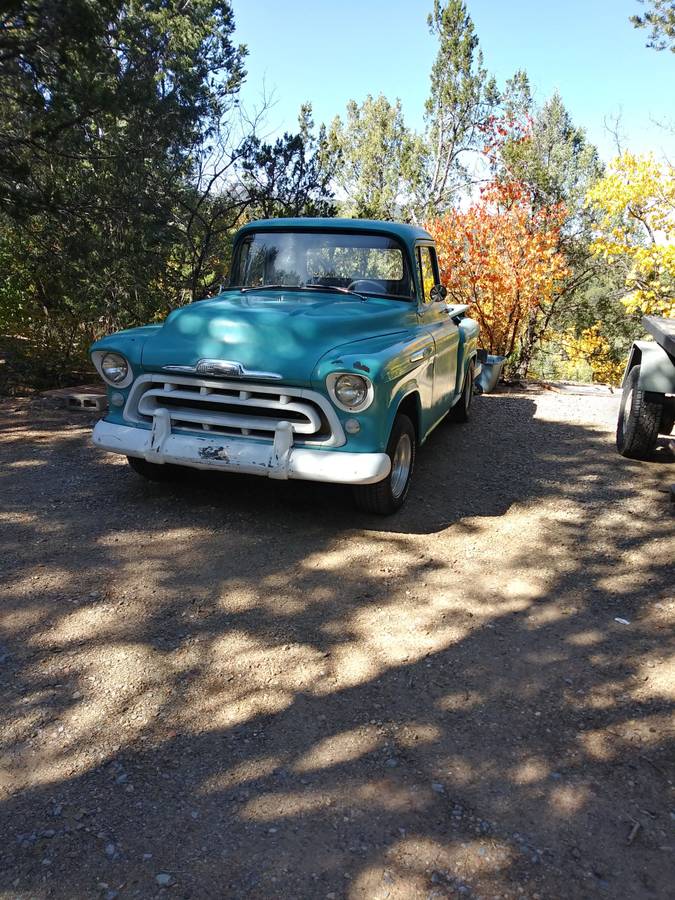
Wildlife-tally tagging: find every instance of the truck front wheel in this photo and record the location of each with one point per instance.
(637, 429)
(384, 497)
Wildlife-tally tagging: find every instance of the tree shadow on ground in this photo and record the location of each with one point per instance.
(218, 684)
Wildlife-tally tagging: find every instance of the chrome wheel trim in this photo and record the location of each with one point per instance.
(400, 465)
(468, 389)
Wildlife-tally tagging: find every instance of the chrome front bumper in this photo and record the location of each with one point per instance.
(279, 459)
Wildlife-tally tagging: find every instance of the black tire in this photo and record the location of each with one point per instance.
(385, 497)
(155, 471)
(637, 429)
(461, 411)
(667, 418)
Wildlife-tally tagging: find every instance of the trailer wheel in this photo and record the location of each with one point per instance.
(667, 419)
(639, 421)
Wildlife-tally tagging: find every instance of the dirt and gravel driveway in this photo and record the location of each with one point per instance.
(236, 688)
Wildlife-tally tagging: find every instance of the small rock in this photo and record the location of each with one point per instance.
(48, 833)
(147, 856)
(392, 763)
(621, 621)
(437, 787)
(110, 851)
(163, 879)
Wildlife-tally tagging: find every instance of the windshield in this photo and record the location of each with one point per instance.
(365, 263)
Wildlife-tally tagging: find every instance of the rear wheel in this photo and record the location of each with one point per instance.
(388, 495)
(639, 421)
(155, 471)
(460, 412)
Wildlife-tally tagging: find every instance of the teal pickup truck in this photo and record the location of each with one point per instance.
(330, 357)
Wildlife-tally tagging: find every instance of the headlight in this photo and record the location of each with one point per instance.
(114, 368)
(351, 393)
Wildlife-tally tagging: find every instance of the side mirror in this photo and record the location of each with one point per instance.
(438, 292)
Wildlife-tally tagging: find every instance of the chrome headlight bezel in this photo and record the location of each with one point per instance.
(368, 393)
(98, 357)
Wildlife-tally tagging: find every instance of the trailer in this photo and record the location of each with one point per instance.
(648, 398)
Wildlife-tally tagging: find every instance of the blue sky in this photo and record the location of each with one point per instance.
(330, 51)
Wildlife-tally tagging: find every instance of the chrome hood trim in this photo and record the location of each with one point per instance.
(222, 368)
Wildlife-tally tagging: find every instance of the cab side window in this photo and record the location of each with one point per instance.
(428, 271)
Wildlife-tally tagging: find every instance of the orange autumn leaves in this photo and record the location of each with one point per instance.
(502, 257)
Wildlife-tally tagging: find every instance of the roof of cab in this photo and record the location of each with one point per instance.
(407, 233)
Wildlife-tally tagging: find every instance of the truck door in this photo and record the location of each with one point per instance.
(435, 319)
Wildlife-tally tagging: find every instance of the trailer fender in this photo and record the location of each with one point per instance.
(657, 368)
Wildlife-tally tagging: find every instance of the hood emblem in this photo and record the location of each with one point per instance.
(221, 368)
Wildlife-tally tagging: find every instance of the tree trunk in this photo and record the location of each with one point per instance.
(527, 346)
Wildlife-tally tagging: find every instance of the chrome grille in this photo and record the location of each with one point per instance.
(235, 408)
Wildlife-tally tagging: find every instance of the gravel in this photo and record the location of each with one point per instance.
(436, 704)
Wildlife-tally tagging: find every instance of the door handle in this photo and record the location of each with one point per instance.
(420, 354)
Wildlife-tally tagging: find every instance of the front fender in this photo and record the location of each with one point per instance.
(657, 368)
(398, 365)
(130, 344)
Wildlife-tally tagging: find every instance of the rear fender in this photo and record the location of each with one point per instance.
(468, 350)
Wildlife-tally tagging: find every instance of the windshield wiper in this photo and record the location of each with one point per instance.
(303, 287)
(272, 287)
(333, 287)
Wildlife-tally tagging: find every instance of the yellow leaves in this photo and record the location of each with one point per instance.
(636, 202)
(593, 348)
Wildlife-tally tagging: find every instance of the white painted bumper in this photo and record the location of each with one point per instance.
(278, 460)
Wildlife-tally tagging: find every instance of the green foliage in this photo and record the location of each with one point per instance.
(461, 99)
(123, 164)
(102, 107)
(375, 156)
(387, 171)
(660, 19)
(554, 159)
(293, 176)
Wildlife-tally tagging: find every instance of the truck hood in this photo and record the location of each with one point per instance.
(271, 331)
